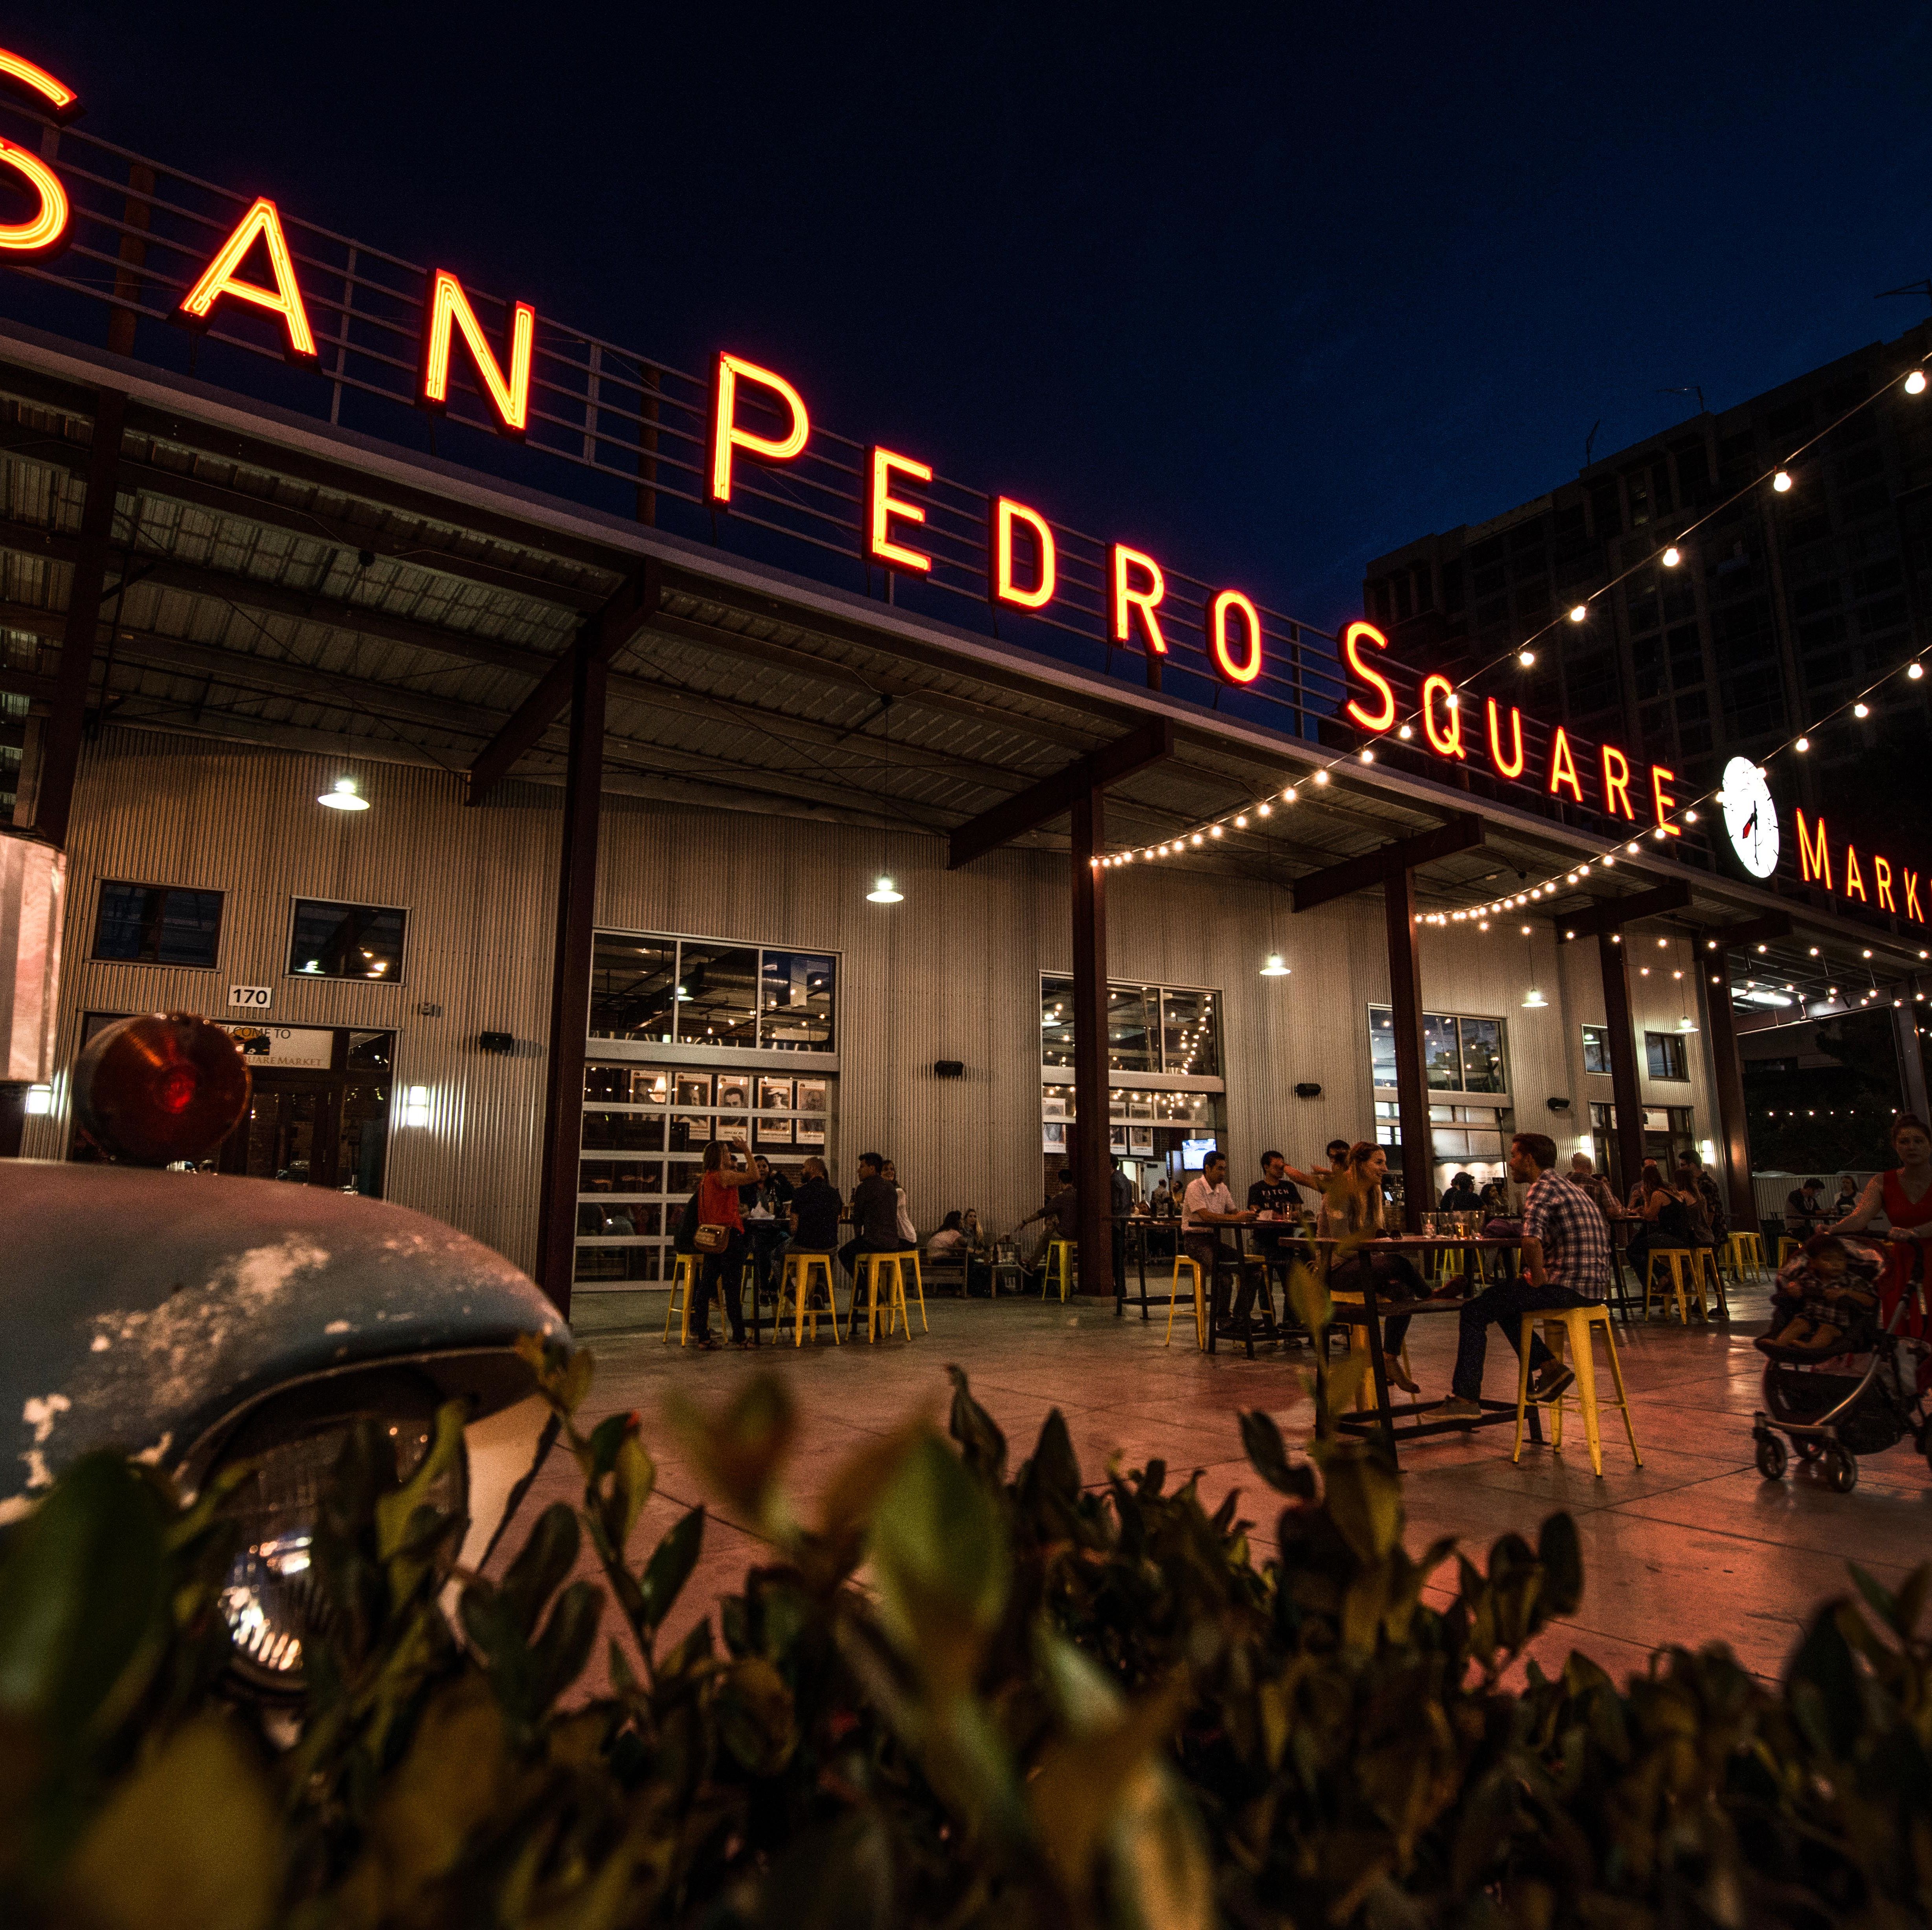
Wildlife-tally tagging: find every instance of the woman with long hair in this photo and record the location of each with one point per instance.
(1355, 1207)
(1665, 1211)
(721, 1259)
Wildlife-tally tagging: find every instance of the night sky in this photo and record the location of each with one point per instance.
(1268, 291)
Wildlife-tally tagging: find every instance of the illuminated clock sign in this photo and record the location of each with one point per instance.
(1750, 816)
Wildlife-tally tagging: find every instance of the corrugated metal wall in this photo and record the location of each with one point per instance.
(952, 972)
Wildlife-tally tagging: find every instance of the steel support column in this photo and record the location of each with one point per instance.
(1411, 1080)
(570, 981)
(1093, 1143)
(1626, 1093)
(1729, 1079)
(60, 735)
(1911, 1059)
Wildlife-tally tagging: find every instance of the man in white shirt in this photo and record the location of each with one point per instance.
(1207, 1205)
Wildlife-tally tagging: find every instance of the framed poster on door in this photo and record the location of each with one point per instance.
(810, 1124)
(775, 1096)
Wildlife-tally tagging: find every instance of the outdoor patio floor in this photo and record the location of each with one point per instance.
(1692, 1547)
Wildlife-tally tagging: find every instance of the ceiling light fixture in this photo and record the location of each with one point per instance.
(343, 796)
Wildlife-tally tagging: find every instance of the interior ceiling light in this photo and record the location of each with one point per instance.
(1276, 967)
(885, 892)
(344, 795)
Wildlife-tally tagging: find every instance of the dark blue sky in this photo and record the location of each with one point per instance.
(1267, 291)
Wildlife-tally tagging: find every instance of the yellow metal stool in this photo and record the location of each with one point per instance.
(1574, 1324)
(1743, 1247)
(1679, 1257)
(866, 1287)
(919, 1287)
(795, 1280)
(1786, 1247)
(1704, 1262)
(1193, 1266)
(684, 1273)
(1059, 1260)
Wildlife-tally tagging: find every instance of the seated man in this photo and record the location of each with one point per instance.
(875, 1215)
(1275, 1201)
(1061, 1214)
(1206, 1206)
(1566, 1254)
(1804, 1209)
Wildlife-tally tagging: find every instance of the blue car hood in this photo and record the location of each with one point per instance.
(141, 1308)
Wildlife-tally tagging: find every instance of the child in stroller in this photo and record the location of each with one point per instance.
(1825, 1297)
(1843, 1376)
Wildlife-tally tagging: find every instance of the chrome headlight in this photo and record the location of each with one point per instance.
(270, 1598)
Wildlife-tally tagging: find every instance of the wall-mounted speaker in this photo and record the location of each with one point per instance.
(1308, 1089)
(495, 1041)
(1559, 1105)
(949, 1069)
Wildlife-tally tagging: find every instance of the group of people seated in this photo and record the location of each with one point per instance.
(751, 1213)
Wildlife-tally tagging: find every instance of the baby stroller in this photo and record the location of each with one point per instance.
(1831, 1412)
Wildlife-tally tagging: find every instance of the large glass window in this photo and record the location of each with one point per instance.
(158, 924)
(1597, 1048)
(1665, 1052)
(718, 994)
(1150, 1028)
(693, 991)
(797, 1015)
(1133, 1028)
(340, 941)
(633, 984)
(1189, 1037)
(1459, 1054)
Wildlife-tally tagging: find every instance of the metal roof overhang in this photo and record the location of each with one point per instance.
(291, 584)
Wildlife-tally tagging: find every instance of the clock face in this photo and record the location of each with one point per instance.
(1750, 817)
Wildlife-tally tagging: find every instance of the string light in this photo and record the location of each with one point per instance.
(1781, 482)
(1673, 557)
(1578, 611)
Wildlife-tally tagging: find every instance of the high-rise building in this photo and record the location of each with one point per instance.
(1782, 608)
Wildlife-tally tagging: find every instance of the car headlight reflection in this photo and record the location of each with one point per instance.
(270, 1598)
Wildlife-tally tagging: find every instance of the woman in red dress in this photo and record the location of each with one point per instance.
(1904, 1196)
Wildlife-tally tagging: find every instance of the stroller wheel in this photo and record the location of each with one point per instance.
(1809, 1450)
(1840, 1468)
(1772, 1458)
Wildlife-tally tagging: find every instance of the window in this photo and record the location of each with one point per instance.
(335, 941)
(696, 991)
(1150, 1028)
(1665, 1052)
(1596, 1048)
(1460, 1055)
(158, 924)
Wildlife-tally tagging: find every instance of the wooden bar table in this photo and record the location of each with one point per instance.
(1371, 1313)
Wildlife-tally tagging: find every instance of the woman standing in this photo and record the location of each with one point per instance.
(1354, 1209)
(1903, 1194)
(720, 1238)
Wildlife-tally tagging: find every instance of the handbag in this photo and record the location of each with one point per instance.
(711, 1240)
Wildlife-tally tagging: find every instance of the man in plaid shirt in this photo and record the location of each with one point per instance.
(1566, 1254)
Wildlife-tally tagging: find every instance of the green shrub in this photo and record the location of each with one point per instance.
(959, 1697)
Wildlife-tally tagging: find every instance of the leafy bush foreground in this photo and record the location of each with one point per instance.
(963, 1696)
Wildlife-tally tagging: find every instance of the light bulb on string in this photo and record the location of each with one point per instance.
(1803, 744)
(1525, 658)
(1861, 710)
(1914, 670)
(1673, 557)
(1578, 611)
(1915, 383)
(1781, 482)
